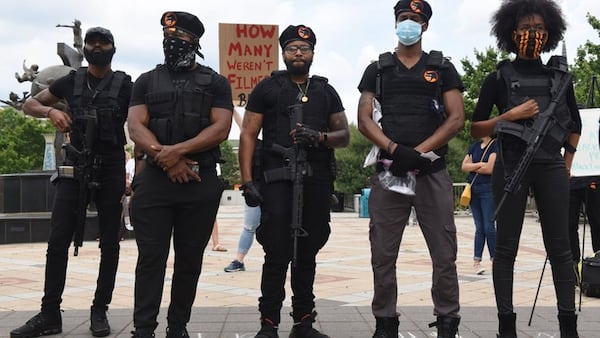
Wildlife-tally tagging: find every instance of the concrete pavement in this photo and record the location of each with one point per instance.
(226, 303)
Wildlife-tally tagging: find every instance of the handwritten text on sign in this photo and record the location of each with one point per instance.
(248, 53)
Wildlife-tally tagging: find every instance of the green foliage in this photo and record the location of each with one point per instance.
(230, 170)
(587, 66)
(351, 176)
(21, 141)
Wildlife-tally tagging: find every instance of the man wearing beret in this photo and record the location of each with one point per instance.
(274, 106)
(97, 97)
(179, 113)
(422, 108)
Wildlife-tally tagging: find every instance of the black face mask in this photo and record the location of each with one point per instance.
(530, 43)
(179, 54)
(101, 58)
(295, 70)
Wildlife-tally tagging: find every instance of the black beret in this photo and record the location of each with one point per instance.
(420, 7)
(297, 33)
(99, 31)
(184, 21)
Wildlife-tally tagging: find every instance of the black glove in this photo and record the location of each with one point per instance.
(251, 194)
(406, 159)
(307, 136)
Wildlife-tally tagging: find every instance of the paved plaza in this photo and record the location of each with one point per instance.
(226, 303)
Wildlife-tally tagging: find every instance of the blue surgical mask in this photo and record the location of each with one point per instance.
(408, 32)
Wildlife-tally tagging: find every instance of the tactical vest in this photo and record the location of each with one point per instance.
(276, 131)
(100, 104)
(521, 88)
(411, 102)
(180, 112)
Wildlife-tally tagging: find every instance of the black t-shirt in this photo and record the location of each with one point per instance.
(63, 88)
(494, 92)
(450, 77)
(264, 100)
(220, 88)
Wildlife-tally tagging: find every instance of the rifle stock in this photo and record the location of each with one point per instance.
(533, 136)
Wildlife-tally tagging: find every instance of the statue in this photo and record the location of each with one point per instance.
(29, 73)
(77, 37)
(15, 101)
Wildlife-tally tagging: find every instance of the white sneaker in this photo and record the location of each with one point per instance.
(478, 269)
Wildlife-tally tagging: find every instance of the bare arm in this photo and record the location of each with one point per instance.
(40, 106)
(366, 125)
(339, 135)
(454, 122)
(573, 139)
(250, 128)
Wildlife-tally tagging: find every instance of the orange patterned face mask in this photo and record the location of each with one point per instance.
(530, 43)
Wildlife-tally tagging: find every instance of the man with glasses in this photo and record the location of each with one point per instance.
(179, 114)
(323, 126)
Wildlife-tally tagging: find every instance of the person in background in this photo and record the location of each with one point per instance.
(522, 90)
(179, 113)
(251, 222)
(479, 163)
(96, 96)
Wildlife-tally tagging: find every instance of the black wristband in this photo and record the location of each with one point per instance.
(569, 148)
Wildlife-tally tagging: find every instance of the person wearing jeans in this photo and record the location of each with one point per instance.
(251, 221)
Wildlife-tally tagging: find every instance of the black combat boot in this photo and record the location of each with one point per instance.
(447, 327)
(42, 324)
(268, 329)
(98, 322)
(568, 325)
(507, 327)
(140, 334)
(177, 331)
(303, 327)
(386, 327)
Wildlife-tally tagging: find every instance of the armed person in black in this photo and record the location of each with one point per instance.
(179, 114)
(302, 119)
(526, 93)
(97, 98)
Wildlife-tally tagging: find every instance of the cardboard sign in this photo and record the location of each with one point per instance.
(247, 54)
(587, 157)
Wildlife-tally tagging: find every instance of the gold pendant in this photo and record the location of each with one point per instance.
(304, 99)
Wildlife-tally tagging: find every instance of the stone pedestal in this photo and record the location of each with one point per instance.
(49, 152)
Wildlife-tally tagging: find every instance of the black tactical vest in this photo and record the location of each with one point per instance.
(100, 104)
(315, 116)
(411, 102)
(521, 88)
(180, 112)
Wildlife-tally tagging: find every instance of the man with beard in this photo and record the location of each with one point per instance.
(179, 114)
(323, 127)
(97, 94)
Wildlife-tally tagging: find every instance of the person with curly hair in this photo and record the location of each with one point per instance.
(522, 89)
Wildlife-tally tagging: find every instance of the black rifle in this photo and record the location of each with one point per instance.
(533, 135)
(296, 168)
(85, 171)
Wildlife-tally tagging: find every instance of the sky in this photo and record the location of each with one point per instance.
(350, 33)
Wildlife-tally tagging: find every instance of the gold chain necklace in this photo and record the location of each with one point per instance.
(304, 93)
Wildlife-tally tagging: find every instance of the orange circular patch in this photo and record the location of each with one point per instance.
(169, 19)
(304, 33)
(431, 76)
(416, 6)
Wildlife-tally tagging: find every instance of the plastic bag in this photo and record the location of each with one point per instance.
(374, 153)
(403, 185)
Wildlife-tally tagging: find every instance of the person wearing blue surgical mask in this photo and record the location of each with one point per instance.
(422, 108)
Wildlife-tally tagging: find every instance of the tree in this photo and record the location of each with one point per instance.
(351, 176)
(21, 141)
(587, 67)
(230, 170)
